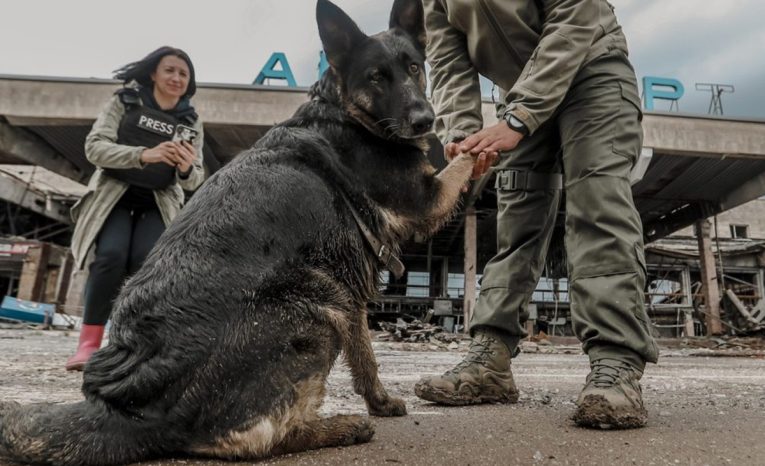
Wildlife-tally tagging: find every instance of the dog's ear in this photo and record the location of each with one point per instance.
(339, 34)
(408, 16)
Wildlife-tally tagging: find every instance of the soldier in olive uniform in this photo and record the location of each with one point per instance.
(569, 119)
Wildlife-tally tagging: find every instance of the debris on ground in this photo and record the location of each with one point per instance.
(722, 346)
(748, 320)
(414, 332)
(435, 338)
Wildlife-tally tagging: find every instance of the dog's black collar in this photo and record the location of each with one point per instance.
(384, 253)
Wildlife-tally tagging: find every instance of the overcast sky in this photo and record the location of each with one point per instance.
(720, 41)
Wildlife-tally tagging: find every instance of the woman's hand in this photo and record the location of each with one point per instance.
(165, 152)
(186, 156)
(176, 154)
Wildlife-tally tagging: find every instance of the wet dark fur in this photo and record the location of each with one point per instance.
(221, 343)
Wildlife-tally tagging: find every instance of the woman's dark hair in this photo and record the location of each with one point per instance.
(141, 70)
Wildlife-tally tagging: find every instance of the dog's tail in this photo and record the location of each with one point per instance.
(83, 434)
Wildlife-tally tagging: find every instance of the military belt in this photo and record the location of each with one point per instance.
(522, 180)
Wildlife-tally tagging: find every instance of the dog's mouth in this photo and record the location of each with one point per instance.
(413, 126)
(415, 132)
(392, 127)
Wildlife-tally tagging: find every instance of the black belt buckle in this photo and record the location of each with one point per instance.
(511, 180)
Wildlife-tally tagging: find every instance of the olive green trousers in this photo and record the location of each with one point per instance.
(594, 138)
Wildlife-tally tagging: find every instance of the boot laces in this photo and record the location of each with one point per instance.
(479, 349)
(606, 372)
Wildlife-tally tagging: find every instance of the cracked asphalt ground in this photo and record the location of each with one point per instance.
(702, 410)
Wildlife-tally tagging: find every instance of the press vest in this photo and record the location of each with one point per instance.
(147, 127)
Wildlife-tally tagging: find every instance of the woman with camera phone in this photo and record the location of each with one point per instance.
(147, 148)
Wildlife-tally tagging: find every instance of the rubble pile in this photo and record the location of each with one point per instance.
(724, 346)
(541, 343)
(415, 332)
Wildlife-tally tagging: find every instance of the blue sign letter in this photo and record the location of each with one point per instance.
(650, 93)
(268, 71)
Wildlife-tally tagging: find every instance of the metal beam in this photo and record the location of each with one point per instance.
(748, 191)
(678, 219)
(30, 148)
(702, 136)
(20, 193)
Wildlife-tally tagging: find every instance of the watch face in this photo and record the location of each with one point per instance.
(514, 122)
(516, 125)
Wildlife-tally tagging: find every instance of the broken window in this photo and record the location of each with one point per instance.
(739, 231)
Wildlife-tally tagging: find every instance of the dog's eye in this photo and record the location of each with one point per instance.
(414, 68)
(375, 76)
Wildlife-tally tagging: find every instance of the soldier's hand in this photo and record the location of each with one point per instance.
(483, 163)
(497, 138)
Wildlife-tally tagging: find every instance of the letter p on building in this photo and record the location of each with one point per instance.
(662, 89)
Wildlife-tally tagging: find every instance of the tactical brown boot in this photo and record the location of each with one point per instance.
(612, 397)
(484, 376)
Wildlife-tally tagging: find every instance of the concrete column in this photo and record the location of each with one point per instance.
(34, 273)
(470, 265)
(445, 277)
(688, 300)
(709, 280)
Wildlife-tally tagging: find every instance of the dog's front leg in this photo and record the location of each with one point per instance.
(451, 180)
(363, 365)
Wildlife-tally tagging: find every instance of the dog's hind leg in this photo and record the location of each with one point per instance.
(361, 360)
(336, 431)
(290, 429)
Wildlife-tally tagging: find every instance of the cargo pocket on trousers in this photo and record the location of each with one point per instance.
(640, 311)
(628, 137)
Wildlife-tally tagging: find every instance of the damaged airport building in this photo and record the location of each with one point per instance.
(698, 186)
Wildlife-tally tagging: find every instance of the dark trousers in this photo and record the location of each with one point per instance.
(125, 239)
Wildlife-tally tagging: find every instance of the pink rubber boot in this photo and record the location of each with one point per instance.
(90, 342)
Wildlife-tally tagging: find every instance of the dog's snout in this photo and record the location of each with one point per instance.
(422, 120)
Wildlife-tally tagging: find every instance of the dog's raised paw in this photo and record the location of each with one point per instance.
(389, 407)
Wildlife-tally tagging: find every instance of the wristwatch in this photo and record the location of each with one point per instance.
(516, 124)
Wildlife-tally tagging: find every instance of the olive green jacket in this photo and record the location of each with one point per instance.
(531, 49)
(102, 150)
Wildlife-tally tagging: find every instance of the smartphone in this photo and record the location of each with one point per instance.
(184, 133)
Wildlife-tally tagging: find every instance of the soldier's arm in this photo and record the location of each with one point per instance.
(456, 91)
(569, 29)
(101, 147)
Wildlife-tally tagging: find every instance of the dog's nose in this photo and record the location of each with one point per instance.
(422, 121)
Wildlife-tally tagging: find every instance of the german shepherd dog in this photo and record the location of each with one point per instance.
(221, 344)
